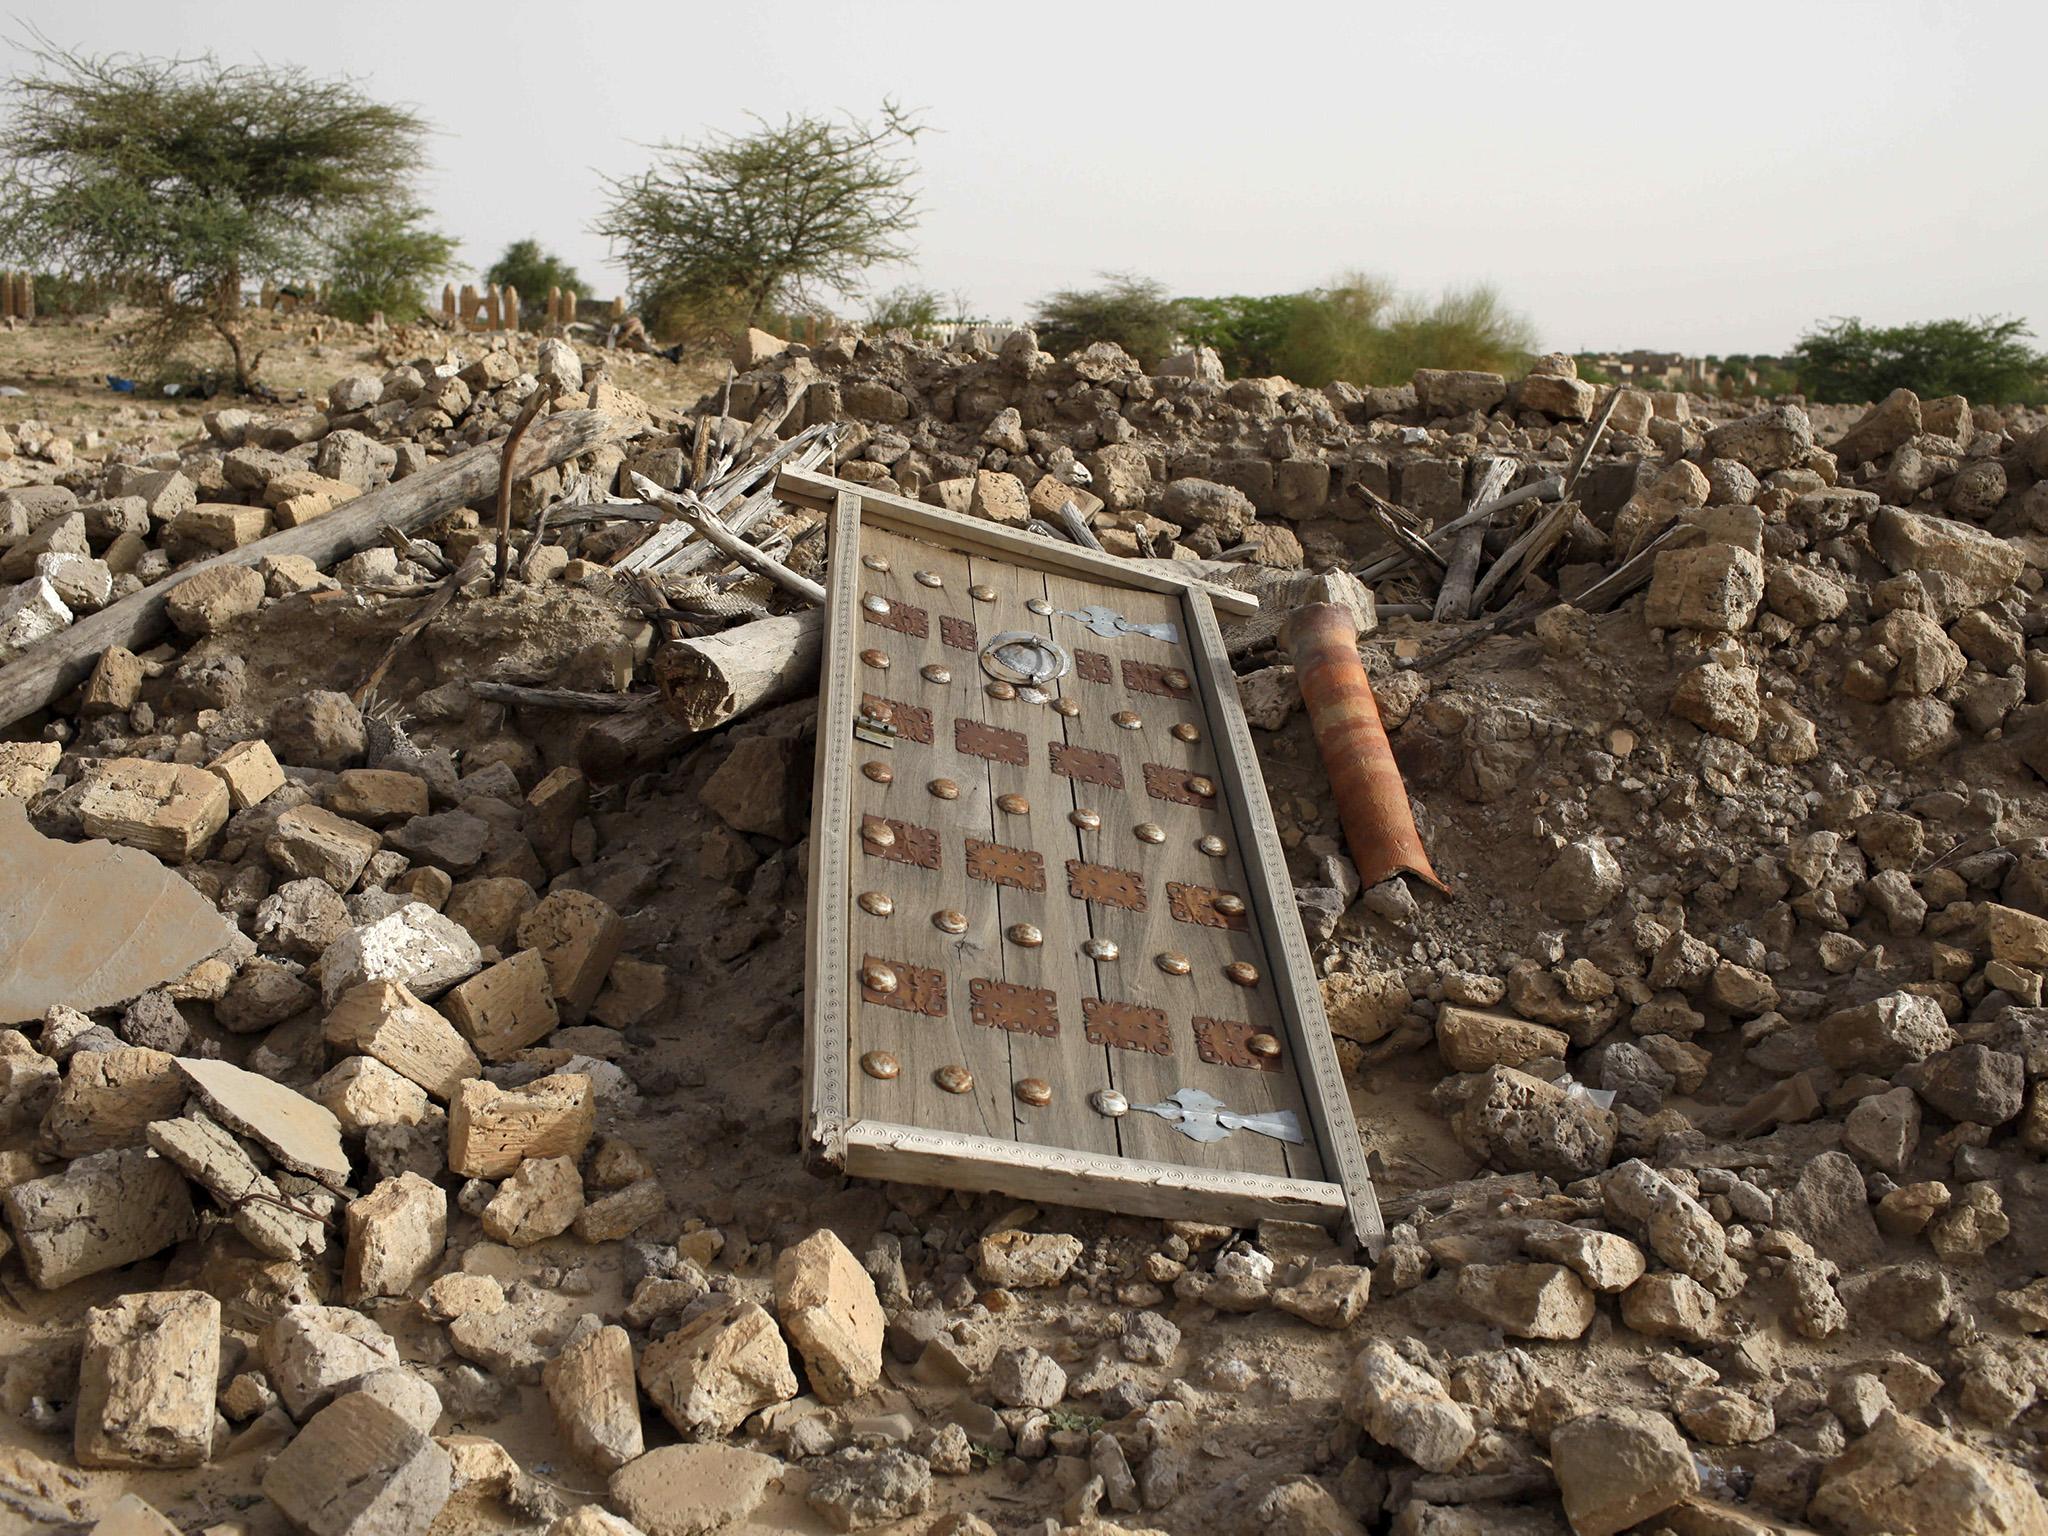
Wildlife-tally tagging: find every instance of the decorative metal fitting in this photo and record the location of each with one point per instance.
(1001, 690)
(1022, 658)
(950, 921)
(1035, 1091)
(1186, 732)
(943, 789)
(1086, 820)
(878, 834)
(1149, 832)
(881, 1065)
(877, 977)
(1066, 707)
(1100, 949)
(874, 602)
(929, 579)
(1038, 605)
(878, 773)
(1127, 720)
(879, 660)
(1025, 935)
(1013, 805)
(1242, 972)
(1199, 785)
(1174, 963)
(1263, 1044)
(1229, 905)
(934, 673)
(876, 563)
(1107, 1101)
(876, 903)
(954, 1079)
(1213, 846)
(982, 594)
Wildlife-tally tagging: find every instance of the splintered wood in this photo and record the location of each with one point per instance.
(1053, 945)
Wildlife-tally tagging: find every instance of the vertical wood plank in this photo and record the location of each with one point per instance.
(920, 1043)
(827, 1024)
(1308, 1026)
(1066, 1061)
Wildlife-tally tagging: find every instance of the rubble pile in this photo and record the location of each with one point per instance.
(384, 1091)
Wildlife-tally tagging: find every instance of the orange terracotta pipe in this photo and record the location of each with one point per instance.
(1372, 799)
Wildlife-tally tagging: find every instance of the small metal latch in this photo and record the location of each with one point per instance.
(1108, 623)
(874, 730)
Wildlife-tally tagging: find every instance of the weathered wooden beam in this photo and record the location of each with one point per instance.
(713, 679)
(41, 677)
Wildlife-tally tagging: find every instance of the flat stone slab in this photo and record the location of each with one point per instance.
(302, 1135)
(91, 925)
(208, 1155)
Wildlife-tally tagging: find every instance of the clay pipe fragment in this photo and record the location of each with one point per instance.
(1372, 800)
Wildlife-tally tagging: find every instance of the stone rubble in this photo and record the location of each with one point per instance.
(1711, 1111)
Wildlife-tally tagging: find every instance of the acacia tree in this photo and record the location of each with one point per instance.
(740, 223)
(188, 177)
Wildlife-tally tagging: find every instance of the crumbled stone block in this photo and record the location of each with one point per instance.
(579, 936)
(311, 843)
(146, 1381)
(359, 1469)
(491, 1130)
(208, 1154)
(396, 1234)
(691, 1490)
(362, 1092)
(103, 1211)
(250, 771)
(171, 810)
(826, 1302)
(723, 1364)
(109, 1099)
(623, 1212)
(207, 601)
(214, 528)
(314, 1353)
(26, 766)
(505, 1008)
(595, 1398)
(377, 797)
(540, 1200)
(634, 991)
(415, 946)
(382, 1019)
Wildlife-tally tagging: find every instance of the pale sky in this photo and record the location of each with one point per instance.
(1704, 178)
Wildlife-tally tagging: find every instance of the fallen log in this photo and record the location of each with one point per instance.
(713, 679)
(634, 741)
(41, 677)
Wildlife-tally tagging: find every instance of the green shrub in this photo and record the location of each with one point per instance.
(383, 261)
(1986, 359)
(910, 307)
(533, 272)
(1134, 312)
